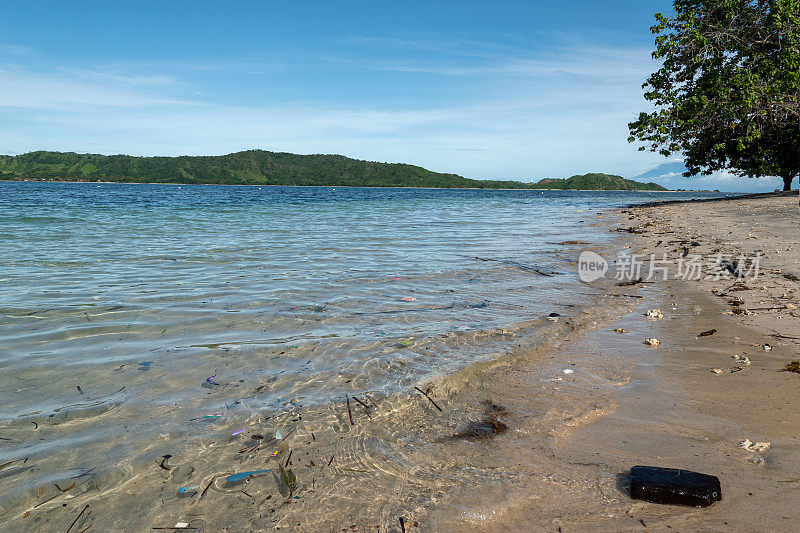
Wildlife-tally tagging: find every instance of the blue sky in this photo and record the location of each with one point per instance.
(512, 90)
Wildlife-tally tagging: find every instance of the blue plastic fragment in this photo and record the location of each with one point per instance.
(233, 478)
(184, 490)
(146, 363)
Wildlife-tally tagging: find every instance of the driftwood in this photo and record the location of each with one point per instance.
(428, 397)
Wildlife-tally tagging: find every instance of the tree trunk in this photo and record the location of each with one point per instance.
(787, 181)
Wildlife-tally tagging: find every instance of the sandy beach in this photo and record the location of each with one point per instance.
(692, 402)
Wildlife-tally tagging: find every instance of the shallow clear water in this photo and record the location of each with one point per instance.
(132, 311)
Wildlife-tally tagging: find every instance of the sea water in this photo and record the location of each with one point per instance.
(137, 315)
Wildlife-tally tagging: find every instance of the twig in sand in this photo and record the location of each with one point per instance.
(164, 460)
(361, 403)
(367, 396)
(428, 397)
(77, 518)
(207, 487)
(331, 461)
(287, 435)
(47, 500)
(784, 336)
(349, 411)
(366, 408)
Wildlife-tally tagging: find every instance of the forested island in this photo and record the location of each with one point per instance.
(597, 182)
(260, 167)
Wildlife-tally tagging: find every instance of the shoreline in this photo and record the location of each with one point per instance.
(346, 186)
(539, 448)
(340, 451)
(692, 402)
(739, 196)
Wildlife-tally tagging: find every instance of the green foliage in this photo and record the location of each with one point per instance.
(288, 478)
(253, 167)
(598, 182)
(727, 95)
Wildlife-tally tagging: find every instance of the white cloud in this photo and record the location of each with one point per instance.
(722, 180)
(61, 90)
(15, 50)
(554, 114)
(727, 179)
(591, 63)
(111, 76)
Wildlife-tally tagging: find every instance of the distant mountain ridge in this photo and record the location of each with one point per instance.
(664, 171)
(260, 167)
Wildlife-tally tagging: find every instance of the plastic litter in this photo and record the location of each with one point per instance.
(233, 478)
(674, 486)
(655, 314)
(186, 490)
(653, 343)
(239, 431)
(408, 299)
(750, 446)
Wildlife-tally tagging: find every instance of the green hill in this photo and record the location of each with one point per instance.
(597, 182)
(252, 167)
(259, 167)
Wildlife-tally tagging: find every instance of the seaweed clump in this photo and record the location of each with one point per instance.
(793, 366)
(489, 426)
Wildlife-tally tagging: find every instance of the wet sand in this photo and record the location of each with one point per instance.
(672, 409)
(517, 443)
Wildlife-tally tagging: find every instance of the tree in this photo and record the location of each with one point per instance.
(727, 95)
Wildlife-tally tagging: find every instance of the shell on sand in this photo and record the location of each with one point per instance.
(750, 446)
